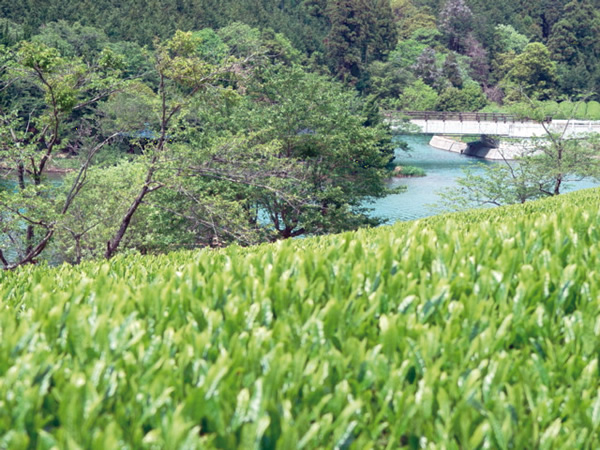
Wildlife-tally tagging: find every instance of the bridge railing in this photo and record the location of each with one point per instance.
(461, 116)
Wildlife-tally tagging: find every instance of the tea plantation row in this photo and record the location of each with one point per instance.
(470, 330)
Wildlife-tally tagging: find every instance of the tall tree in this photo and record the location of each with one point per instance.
(361, 31)
(456, 22)
(574, 45)
(426, 68)
(338, 161)
(34, 130)
(451, 70)
(532, 73)
(182, 75)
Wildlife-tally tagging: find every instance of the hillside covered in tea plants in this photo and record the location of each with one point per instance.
(471, 330)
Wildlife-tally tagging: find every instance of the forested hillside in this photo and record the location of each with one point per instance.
(456, 48)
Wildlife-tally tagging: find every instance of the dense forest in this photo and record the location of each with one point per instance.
(187, 123)
(439, 53)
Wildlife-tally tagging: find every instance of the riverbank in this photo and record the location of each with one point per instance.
(408, 172)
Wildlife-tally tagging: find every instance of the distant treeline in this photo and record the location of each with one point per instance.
(429, 54)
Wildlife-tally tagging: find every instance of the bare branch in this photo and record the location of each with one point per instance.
(30, 257)
(81, 175)
(3, 259)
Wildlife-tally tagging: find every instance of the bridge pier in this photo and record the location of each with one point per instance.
(487, 147)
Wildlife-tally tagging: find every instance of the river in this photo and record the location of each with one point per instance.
(443, 168)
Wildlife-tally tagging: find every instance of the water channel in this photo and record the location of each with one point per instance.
(442, 168)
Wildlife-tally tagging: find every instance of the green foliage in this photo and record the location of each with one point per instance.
(361, 31)
(38, 56)
(406, 53)
(574, 45)
(592, 110)
(419, 97)
(42, 92)
(408, 171)
(244, 143)
(141, 23)
(10, 32)
(211, 46)
(386, 82)
(469, 98)
(345, 35)
(319, 128)
(533, 74)
(474, 330)
(451, 71)
(496, 185)
(507, 39)
(574, 36)
(412, 21)
(549, 108)
(73, 40)
(259, 46)
(90, 221)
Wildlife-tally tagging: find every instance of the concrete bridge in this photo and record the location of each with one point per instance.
(490, 124)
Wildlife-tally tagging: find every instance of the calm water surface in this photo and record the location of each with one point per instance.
(442, 168)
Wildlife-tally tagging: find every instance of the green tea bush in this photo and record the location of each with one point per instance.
(593, 110)
(552, 109)
(559, 111)
(467, 330)
(566, 110)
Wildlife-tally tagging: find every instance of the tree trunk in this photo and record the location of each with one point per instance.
(113, 244)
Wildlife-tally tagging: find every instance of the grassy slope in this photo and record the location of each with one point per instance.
(471, 329)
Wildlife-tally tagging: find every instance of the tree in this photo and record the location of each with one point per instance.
(500, 184)
(574, 45)
(469, 98)
(73, 40)
(290, 156)
(426, 68)
(386, 82)
(507, 39)
(574, 36)
(88, 224)
(361, 31)
(410, 19)
(33, 130)
(456, 22)
(480, 69)
(384, 31)
(419, 97)
(182, 74)
(218, 148)
(451, 70)
(532, 73)
(333, 160)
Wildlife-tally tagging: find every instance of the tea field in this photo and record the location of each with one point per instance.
(471, 330)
